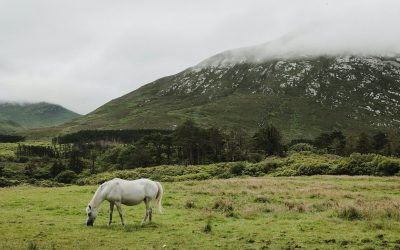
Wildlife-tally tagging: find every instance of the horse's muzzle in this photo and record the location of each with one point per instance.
(89, 223)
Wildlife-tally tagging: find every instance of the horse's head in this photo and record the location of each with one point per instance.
(92, 214)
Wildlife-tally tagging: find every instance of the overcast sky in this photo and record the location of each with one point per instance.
(82, 54)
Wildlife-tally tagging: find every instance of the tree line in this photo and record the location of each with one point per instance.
(88, 152)
(120, 135)
(190, 144)
(11, 138)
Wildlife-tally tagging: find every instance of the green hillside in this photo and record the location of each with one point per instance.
(33, 115)
(303, 96)
(7, 126)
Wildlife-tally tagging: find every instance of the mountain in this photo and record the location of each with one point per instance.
(303, 95)
(33, 115)
(9, 127)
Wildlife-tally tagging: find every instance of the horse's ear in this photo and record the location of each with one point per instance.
(90, 207)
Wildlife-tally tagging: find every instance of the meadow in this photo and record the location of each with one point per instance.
(315, 212)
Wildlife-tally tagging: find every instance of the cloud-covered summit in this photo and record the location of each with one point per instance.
(320, 39)
(82, 54)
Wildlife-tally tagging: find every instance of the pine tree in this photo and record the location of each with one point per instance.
(364, 144)
(380, 142)
(268, 139)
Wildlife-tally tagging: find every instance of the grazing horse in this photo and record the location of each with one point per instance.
(118, 191)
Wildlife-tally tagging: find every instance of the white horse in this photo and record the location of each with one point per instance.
(118, 191)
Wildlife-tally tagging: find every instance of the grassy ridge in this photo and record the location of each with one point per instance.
(7, 126)
(35, 115)
(249, 213)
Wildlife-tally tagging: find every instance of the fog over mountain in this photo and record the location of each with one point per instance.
(301, 45)
(83, 54)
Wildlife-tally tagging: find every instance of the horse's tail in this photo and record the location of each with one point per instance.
(159, 197)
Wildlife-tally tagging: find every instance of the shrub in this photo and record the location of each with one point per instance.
(290, 205)
(389, 166)
(300, 147)
(301, 163)
(237, 168)
(368, 164)
(223, 205)
(208, 227)
(358, 164)
(32, 246)
(269, 166)
(48, 183)
(197, 176)
(4, 182)
(301, 208)
(255, 157)
(66, 176)
(190, 204)
(261, 199)
(264, 167)
(313, 169)
(349, 213)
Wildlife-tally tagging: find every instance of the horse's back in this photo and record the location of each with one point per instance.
(131, 192)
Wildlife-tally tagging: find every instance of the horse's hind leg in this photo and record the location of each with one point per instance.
(111, 212)
(146, 212)
(120, 212)
(150, 214)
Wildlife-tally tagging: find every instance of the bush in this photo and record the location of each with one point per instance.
(223, 205)
(197, 176)
(368, 164)
(349, 213)
(48, 183)
(32, 246)
(237, 168)
(307, 163)
(66, 176)
(302, 163)
(255, 157)
(312, 169)
(300, 147)
(4, 182)
(261, 199)
(358, 164)
(389, 166)
(265, 167)
(190, 204)
(208, 227)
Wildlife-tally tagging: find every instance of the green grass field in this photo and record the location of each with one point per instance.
(320, 212)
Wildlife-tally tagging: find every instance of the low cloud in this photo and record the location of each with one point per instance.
(83, 54)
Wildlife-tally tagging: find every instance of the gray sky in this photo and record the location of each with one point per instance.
(82, 54)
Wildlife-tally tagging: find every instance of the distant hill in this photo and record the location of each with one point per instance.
(33, 115)
(301, 95)
(7, 127)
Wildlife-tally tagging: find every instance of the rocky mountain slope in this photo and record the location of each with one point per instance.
(302, 95)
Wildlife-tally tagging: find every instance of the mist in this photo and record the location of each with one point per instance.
(84, 54)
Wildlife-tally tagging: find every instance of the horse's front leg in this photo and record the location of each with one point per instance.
(118, 204)
(111, 212)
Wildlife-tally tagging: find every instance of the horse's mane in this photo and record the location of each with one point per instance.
(96, 197)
